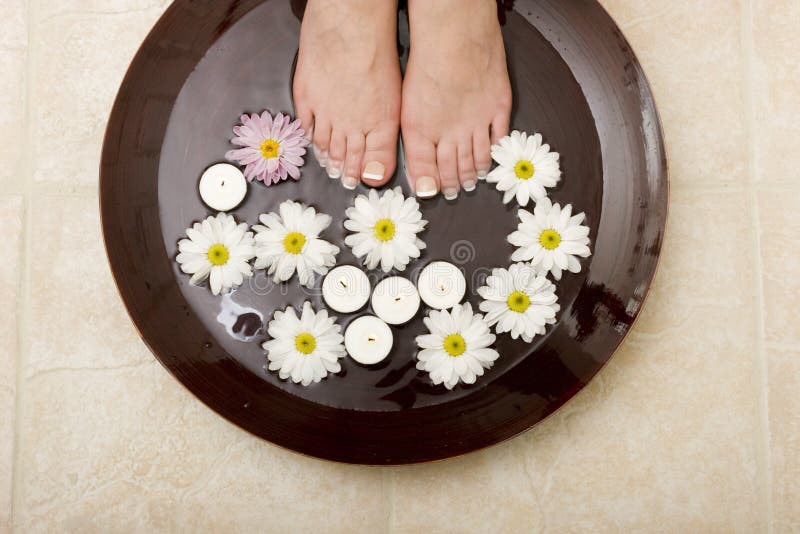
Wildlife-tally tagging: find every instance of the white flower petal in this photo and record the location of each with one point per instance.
(221, 229)
(282, 353)
(406, 216)
(438, 363)
(316, 256)
(501, 285)
(548, 216)
(509, 152)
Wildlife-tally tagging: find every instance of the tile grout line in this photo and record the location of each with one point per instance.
(709, 187)
(88, 192)
(392, 500)
(23, 302)
(763, 460)
(387, 496)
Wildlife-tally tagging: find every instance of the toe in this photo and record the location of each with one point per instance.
(336, 154)
(500, 122)
(447, 161)
(302, 109)
(306, 117)
(421, 164)
(481, 152)
(466, 165)
(322, 140)
(380, 155)
(499, 127)
(353, 160)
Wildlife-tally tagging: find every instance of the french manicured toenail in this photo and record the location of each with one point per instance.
(334, 170)
(451, 193)
(426, 187)
(469, 186)
(374, 171)
(349, 182)
(482, 175)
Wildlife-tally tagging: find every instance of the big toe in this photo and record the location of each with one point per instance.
(380, 155)
(420, 155)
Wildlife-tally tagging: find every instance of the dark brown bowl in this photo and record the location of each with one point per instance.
(575, 79)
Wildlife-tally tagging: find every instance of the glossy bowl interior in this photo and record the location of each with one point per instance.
(575, 80)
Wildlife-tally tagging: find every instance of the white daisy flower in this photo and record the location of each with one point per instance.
(289, 242)
(519, 300)
(551, 238)
(219, 249)
(457, 348)
(526, 167)
(304, 348)
(386, 229)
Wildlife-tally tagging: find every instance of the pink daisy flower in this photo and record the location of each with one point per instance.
(273, 147)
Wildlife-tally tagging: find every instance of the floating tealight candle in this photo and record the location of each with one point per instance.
(395, 300)
(368, 340)
(441, 285)
(346, 289)
(223, 187)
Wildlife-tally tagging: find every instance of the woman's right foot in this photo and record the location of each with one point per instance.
(347, 87)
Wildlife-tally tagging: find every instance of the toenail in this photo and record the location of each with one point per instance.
(451, 193)
(469, 186)
(349, 182)
(374, 171)
(426, 187)
(334, 170)
(482, 175)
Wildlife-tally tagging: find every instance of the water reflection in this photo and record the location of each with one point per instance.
(597, 303)
(240, 322)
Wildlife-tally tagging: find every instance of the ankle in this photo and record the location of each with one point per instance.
(356, 13)
(451, 14)
(359, 32)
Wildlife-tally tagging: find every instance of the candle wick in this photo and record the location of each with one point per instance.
(397, 299)
(343, 284)
(222, 184)
(371, 339)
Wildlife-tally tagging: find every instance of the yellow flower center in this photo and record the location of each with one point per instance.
(305, 343)
(270, 148)
(294, 242)
(550, 239)
(524, 169)
(384, 230)
(518, 302)
(454, 345)
(218, 254)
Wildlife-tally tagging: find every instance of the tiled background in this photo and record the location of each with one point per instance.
(693, 427)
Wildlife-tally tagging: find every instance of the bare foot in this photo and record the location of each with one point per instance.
(456, 94)
(347, 85)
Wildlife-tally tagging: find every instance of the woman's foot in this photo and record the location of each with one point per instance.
(456, 94)
(347, 85)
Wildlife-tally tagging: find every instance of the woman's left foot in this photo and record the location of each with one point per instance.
(456, 94)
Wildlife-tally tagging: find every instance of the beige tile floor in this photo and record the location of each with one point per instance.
(693, 427)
